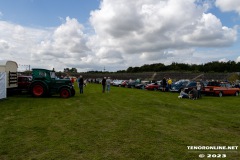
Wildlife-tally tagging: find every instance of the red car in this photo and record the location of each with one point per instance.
(152, 86)
(24, 82)
(124, 83)
(221, 89)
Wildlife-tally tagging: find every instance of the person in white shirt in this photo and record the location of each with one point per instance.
(108, 83)
(199, 88)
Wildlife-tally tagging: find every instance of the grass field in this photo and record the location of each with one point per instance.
(126, 124)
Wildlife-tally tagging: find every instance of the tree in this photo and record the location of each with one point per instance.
(72, 70)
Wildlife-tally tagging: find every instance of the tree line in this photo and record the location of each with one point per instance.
(215, 66)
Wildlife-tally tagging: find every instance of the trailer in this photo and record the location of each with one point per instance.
(9, 69)
(3, 86)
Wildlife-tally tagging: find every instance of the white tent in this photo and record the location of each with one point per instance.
(3, 85)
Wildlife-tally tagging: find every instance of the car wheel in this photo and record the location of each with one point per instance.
(65, 93)
(220, 94)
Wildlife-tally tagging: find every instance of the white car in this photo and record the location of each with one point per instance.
(117, 83)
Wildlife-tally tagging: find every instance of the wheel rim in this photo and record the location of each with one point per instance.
(38, 90)
(236, 93)
(65, 93)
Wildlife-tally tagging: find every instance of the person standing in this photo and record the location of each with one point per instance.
(164, 84)
(80, 84)
(169, 83)
(104, 85)
(199, 88)
(108, 83)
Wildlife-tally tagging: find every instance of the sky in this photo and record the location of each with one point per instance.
(93, 35)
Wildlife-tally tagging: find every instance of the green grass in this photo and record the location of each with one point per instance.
(126, 124)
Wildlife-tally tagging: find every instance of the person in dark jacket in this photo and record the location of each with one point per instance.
(164, 84)
(104, 85)
(193, 94)
(80, 84)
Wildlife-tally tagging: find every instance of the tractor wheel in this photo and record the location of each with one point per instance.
(65, 93)
(38, 90)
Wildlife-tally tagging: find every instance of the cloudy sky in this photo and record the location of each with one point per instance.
(116, 34)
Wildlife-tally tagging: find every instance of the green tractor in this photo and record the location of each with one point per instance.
(45, 83)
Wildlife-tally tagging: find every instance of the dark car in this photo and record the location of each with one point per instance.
(179, 85)
(191, 85)
(132, 84)
(140, 86)
(24, 82)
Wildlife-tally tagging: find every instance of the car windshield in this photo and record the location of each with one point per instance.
(178, 82)
(213, 84)
(191, 84)
(181, 82)
(228, 85)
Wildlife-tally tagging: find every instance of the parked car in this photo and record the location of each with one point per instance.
(117, 83)
(24, 82)
(179, 85)
(124, 83)
(142, 85)
(132, 84)
(220, 89)
(153, 86)
(191, 85)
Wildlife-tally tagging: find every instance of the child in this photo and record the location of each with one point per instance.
(183, 94)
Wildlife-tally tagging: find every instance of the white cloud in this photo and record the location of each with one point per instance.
(223, 60)
(228, 5)
(238, 59)
(126, 33)
(209, 32)
(3, 44)
(68, 41)
(17, 42)
(150, 28)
